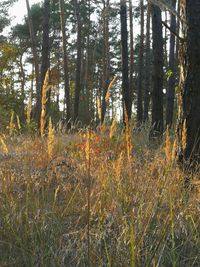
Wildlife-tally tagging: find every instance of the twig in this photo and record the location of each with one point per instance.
(172, 31)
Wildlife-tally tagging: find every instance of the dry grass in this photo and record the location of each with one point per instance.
(140, 214)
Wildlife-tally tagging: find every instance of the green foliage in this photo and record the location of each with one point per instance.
(8, 54)
(9, 101)
(168, 74)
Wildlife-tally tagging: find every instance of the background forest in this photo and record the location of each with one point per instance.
(100, 133)
(81, 44)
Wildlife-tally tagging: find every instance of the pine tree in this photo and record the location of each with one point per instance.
(157, 91)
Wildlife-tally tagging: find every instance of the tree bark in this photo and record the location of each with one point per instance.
(45, 64)
(189, 115)
(78, 60)
(36, 64)
(131, 85)
(157, 92)
(65, 61)
(172, 78)
(141, 65)
(124, 54)
(87, 76)
(147, 67)
(106, 58)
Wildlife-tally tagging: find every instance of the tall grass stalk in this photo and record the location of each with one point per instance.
(88, 162)
(113, 126)
(107, 254)
(128, 134)
(29, 110)
(50, 140)
(168, 145)
(18, 123)
(132, 242)
(109, 88)
(99, 107)
(4, 146)
(184, 135)
(172, 233)
(12, 124)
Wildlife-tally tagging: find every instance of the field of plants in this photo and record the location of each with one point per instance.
(96, 198)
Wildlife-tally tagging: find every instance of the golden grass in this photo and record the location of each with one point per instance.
(29, 110)
(50, 141)
(140, 214)
(168, 151)
(45, 89)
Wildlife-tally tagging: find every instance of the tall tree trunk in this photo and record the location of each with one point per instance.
(157, 92)
(189, 116)
(141, 64)
(165, 38)
(131, 86)
(106, 58)
(78, 60)
(124, 54)
(147, 66)
(45, 64)
(172, 78)
(87, 76)
(36, 63)
(65, 61)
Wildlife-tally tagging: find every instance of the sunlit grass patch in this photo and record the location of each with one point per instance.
(140, 213)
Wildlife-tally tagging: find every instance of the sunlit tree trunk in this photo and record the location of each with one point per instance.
(189, 117)
(172, 78)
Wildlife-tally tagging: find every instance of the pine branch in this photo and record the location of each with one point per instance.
(164, 4)
(172, 31)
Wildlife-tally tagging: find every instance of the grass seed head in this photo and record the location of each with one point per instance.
(113, 126)
(50, 140)
(184, 135)
(45, 89)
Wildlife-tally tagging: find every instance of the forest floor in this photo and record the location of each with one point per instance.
(139, 212)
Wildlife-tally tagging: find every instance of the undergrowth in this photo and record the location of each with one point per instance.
(140, 213)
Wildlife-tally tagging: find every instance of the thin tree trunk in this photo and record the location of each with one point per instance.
(141, 64)
(106, 58)
(65, 61)
(172, 78)
(23, 80)
(131, 86)
(78, 60)
(165, 42)
(157, 93)
(147, 66)
(125, 73)
(45, 64)
(36, 64)
(87, 75)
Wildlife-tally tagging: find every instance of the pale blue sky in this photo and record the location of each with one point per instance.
(18, 11)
